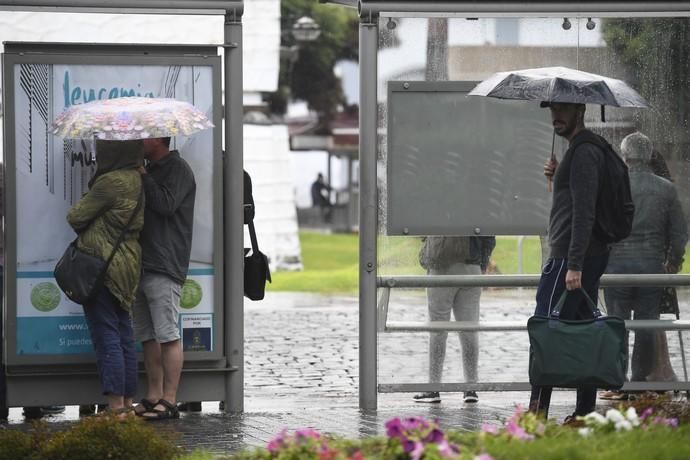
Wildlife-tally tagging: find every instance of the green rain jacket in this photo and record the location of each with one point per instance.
(102, 214)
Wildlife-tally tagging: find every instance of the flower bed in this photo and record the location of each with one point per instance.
(626, 432)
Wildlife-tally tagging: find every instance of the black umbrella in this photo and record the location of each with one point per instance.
(560, 84)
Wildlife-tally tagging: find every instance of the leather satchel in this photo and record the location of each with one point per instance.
(256, 270)
(80, 275)
(575, 354)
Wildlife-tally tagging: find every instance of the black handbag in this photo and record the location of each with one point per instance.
(573, 354)
(81, 275)
(256, 270)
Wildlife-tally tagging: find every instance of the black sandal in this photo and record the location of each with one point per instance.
(170, 411)
(146, 405)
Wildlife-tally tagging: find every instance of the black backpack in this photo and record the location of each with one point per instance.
(615, 207)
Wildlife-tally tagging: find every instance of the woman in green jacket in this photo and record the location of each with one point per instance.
(99, 219)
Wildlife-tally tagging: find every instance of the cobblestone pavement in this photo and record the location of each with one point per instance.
(301, 370)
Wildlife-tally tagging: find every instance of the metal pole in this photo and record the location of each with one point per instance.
(448, 7)
(233, 220)
(350, 206)
(235, 7)
(414, 281)
(368, 209)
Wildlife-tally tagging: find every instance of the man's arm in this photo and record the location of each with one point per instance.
(165, 197)
(584, 188)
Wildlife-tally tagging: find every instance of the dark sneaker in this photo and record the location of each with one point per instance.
(32, 412)
(190, 406)
(471, 397)
(573, 422)
(52, 410)
(87, 409)
(428, 397)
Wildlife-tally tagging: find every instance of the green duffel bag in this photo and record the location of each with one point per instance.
(575, 354)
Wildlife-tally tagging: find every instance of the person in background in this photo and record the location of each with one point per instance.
(656, 245)
(99, 218)
(320, 192)
(166, 244)
(454, 255)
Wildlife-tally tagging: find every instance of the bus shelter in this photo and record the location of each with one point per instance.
(47, 350)
(436, 162)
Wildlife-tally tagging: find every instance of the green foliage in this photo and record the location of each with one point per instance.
(311, 77)
(656, 56)
(15, 445)
(93, 438)
(330, 265)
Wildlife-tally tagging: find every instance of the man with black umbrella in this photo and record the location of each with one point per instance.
(577, 258)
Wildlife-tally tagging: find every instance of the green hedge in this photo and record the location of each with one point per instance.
(93, 438)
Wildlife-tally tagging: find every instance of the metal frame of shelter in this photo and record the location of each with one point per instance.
(373, 317)
(233, 328)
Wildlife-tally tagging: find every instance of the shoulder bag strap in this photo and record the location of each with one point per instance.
(129, 223)
(252, 235)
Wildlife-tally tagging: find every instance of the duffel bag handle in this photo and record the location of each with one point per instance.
(556, 312)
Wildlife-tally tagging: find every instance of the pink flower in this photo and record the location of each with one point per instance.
(517, 432)
(435, 436)
(418, 451)
(646, 413)
(306, 433)
(447, 449)
(357, 456)
(275, 444)
(490, 429)
(483, 457)
(394, 428)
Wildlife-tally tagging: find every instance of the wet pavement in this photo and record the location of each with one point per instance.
(301, 370)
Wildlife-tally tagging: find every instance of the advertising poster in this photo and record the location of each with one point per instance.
(52, 174)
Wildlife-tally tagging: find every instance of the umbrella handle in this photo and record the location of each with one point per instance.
(553, 158)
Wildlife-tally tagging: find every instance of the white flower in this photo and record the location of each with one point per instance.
(623, 425)
(584, 432)
(615, 416)
(631, 415)
(595, 418)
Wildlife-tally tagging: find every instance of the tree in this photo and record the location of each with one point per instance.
(656, 54)
(310, 75)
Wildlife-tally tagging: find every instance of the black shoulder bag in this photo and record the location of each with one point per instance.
(81, 275)
(256, 270)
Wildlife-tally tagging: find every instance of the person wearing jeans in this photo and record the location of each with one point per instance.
(114, 201)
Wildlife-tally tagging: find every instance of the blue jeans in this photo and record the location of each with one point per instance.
(110, 326)
(644, 301)
(551, 287)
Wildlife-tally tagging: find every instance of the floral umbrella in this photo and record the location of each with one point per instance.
(129, 118)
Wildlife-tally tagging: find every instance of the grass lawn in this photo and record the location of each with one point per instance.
(331, 261)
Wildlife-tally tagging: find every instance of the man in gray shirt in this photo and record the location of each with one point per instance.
(577, 259)
(166, 242)
(655, 245)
